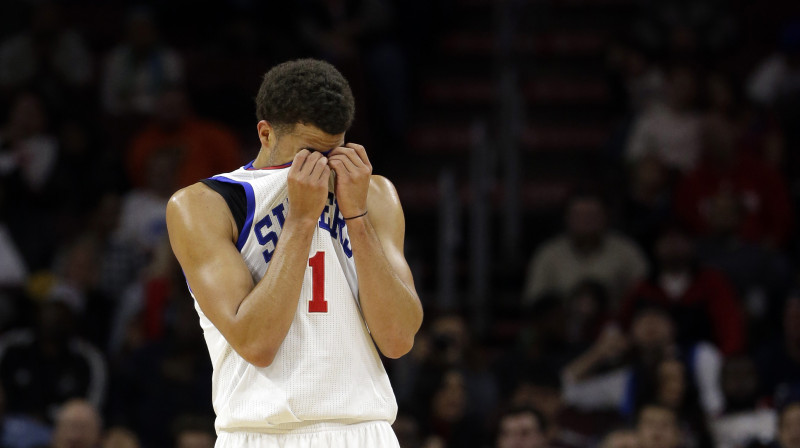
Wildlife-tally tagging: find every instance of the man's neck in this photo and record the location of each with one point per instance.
(268, 158)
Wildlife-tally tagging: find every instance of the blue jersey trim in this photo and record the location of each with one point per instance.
(187, 281)
(628, 405)
(251, 208)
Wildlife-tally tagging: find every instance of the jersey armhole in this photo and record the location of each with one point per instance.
(241, 202)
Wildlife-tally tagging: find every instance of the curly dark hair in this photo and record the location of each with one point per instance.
(307, 91)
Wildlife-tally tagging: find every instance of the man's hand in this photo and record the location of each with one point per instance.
(353, 170)
(308, 185)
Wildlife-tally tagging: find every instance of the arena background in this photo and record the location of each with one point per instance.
(600, 199)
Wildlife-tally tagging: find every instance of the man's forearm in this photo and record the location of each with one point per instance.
(390, 306)
(265, 315)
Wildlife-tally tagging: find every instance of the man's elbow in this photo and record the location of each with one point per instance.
(401, 340)
(397, 347)
(258, 355)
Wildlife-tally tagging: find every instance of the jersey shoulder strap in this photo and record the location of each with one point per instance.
(234, 196)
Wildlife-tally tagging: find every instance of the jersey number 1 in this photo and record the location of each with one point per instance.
(318, 304)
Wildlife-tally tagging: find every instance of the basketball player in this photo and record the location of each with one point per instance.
(296, 265)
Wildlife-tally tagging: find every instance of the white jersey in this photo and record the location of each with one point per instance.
(327, 369)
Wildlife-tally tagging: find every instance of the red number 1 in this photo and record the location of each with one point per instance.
(317, 304)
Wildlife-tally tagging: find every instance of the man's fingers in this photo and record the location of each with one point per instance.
(361, 152)
(311, 162)
(340, 150)
(342, 164)
(325, 173)
(350, 153)
(319, 165)
(300, 159)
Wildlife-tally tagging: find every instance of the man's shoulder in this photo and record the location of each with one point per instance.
(192, 196)
(195, 201)
(382, 190)
(381, 184)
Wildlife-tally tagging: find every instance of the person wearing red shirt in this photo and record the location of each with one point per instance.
(702, 302)
(725, 170)
(202, 147)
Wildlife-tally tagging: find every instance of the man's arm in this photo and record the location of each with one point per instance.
(389, 301)
(254, 319)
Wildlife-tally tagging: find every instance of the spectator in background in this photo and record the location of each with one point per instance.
(78, 425)
(648, 201)
(168, 375)
(42, 368)
(28, 154)
(761, 192)
(199, 148)
(21, 431)
(702, 301)
(452, 350)
(522, 428)
(143, 214)
(777, 78)
(543, 393)
(761, 275)
(140, 69)
(194, 432)
(141, 314)
(657, 427)
(775, 85)
(602, 378)
(789, 426)
(75, 280)
(670, 130)
(447, 416)
(587, 250)
(48, 54)
(542, 347)
(672, 385)
(778, 361)
(28, 145)
(743, 420)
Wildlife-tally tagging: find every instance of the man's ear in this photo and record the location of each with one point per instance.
(266, 133)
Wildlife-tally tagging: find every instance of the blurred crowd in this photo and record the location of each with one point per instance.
(665, 314)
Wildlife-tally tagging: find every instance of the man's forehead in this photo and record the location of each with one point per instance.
(316, 138)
